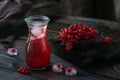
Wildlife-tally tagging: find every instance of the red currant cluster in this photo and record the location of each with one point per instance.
(24, 70)
(106, 40)
(76, 33)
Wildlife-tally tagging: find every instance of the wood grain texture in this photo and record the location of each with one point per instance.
(108, 71)
(92, 74)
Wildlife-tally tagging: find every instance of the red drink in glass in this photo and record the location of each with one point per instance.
(37, 46)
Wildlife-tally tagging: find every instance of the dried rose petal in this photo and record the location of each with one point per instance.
(70, 71)
(58, 68)
(12, 51)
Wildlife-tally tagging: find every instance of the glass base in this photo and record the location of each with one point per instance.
(38, 68)
(42, 68)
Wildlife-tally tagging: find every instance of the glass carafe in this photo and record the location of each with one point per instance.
(37, 46)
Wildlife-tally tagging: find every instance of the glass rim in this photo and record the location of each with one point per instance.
(41, 17)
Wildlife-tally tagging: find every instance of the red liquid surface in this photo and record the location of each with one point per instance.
(38, 53)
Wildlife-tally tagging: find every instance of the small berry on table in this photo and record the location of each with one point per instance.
(24, 70)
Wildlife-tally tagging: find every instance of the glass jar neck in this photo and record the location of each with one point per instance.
(37, 20)
(37, 26)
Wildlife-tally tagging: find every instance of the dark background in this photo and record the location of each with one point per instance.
(100, 9)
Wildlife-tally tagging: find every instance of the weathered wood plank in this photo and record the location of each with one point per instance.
(107, 69)
(48, 74)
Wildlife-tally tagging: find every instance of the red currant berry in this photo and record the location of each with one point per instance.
(106, 40)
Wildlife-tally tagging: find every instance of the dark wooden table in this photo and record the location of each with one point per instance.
(111, 72)
(49, 75)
